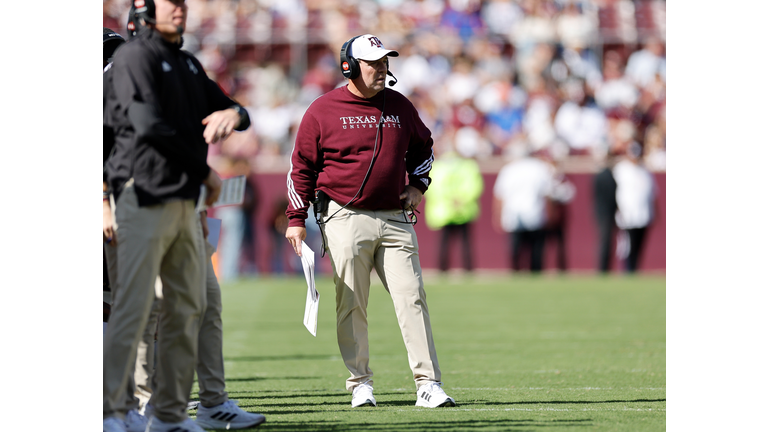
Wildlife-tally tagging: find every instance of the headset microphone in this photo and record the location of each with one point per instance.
(393, 81)
(179, 29)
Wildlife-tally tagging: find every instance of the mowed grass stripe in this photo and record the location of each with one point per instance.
(517, 353)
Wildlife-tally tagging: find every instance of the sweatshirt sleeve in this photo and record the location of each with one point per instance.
(305, 165)
(136, 86)
(418, 160)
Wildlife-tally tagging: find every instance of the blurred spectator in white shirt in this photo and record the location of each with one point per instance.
(520, 207)
(582, 126)
(616, 90)
(635, 195)
(574, 28)
(461, 83)
(538, 121)
(501, 16)
(643, 65)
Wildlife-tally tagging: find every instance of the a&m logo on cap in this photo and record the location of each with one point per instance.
(374, 40)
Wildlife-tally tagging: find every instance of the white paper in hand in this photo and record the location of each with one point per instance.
(313, 297)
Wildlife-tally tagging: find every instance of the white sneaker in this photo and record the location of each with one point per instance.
(188, 425)
(135, 422)
(362, 395)
(114, 424)
(432, 396)
(227, 416)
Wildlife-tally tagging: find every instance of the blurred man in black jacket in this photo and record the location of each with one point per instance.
(164, 111)
(604, 190)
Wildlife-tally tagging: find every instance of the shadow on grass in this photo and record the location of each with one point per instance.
(249, 379)
(482, 402)
(282, 358)
(520, 425)
(258, 394)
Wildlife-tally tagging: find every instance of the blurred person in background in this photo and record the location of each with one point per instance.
(580, 123)
(453, 202)
(354, 148)
(111, 42)
(159, 231)
(520, 194)
(604, 205)
(616, 90)
(635, 202)
(645, 64)
(655, 147)
(236, 222)
(282, 263)
(214, 402)
(133, 421)
(563, 192)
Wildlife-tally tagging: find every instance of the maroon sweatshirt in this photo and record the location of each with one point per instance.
(335, 144)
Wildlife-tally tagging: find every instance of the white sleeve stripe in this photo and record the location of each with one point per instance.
(296, 202)
(426, 166)
(294, 198)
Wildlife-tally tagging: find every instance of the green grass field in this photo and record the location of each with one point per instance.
(518, 353)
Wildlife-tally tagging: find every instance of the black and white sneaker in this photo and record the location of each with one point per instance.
(432, 396)
(227, 416)
(362, 395)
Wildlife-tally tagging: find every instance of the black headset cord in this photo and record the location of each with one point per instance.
(319, 217)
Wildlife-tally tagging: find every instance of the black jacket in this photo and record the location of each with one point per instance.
(158, 98)
(108, 141)
(604, 189)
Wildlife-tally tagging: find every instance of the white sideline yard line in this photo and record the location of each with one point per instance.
(542, 409)
(554, 388)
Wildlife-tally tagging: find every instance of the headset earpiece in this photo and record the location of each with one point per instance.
(145, 9)
(349, 65)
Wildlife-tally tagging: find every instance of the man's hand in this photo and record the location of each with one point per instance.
(411, 198)
(213, 185)
(295, 236)
(204, 223)
(219, 124)
(110, 236)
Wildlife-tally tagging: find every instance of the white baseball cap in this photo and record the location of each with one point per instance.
(369, 47)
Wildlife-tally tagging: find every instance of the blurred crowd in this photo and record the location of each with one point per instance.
(496, 77)
(495, 80)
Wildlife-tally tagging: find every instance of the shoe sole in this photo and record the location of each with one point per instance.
(368, 402)
(206, 425)
(446, 403)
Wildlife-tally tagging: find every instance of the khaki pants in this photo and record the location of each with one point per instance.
(210, 356)
(358, 241)
(166, 240)
(210, 360)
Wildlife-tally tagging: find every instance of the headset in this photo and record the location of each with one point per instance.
(145, 9)
(132, 25)
(350, 67)
(112, 40)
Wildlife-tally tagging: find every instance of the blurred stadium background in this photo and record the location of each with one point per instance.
(572, 79)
